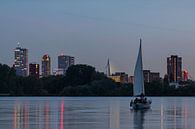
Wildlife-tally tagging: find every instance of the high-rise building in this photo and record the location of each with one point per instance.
(34, 70)
(131, 79)
(21, 61)
(174, 68)
(64, 62)
(46, 66)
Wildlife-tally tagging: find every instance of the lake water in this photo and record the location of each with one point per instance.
(95, 113)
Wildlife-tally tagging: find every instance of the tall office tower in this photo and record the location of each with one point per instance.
(64, 62)
(34, 70)
(46, 66)
(174, 68)
(21, 61)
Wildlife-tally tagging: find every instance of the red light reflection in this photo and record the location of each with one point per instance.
(62, 115)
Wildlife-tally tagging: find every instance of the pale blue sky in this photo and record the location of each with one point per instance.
(93, 30)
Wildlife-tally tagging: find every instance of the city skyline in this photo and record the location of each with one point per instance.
(93, 31)
(54, 68)
(175, 71)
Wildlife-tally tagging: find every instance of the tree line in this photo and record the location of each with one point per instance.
(80, 80)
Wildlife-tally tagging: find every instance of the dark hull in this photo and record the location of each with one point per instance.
(140, 105)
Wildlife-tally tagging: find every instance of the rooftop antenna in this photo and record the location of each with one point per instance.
(18, 44)
(62, 54)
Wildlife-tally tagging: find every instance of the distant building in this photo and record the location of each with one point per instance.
(146, 75)
(64, 62)
(57, 72)
(151, 76)
(131, 79)
(21, 61)
(46, 66)
(119, 77)
(34, 70)
(174, 68)
(166, 79)
(155, 76)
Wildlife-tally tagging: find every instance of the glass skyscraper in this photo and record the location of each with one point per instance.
(46, 66)
(64, 62)
(21, 61)
(174, 68)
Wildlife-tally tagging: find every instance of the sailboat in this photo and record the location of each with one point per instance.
(140, 101)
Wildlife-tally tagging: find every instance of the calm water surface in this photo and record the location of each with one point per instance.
(95, 113)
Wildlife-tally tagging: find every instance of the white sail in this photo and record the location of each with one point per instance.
(138, 87)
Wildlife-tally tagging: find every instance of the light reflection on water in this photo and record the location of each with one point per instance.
(95, 112)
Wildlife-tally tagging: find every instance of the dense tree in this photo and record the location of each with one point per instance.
(123, 90)
(102, 87)
(81, 80)
(80, 74)
(7, 75)
(155, 88)
(53, 84)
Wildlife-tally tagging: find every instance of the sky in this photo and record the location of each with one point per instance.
(94, 30)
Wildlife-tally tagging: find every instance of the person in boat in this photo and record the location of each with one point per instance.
(145, 100)
(142, 98)
(142, 95)
(136, 100)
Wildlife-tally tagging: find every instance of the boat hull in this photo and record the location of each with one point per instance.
(140, 105)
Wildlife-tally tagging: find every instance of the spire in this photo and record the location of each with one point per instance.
(140, 41)
(108, 66)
